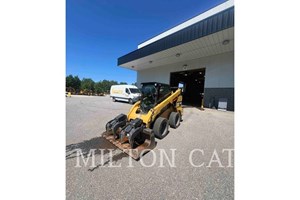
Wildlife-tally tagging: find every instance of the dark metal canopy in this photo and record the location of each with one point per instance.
(210, 25)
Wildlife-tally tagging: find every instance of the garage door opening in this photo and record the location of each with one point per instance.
(192, 82)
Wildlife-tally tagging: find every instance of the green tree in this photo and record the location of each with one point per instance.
(107, 84)
(113, 82)
(76, 83)
(73, 82)
(87, 84)
(69, 81)
(99, 87)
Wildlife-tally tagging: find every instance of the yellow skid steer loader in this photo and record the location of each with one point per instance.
(159, 108)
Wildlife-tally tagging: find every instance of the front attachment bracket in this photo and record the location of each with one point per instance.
(138, 151)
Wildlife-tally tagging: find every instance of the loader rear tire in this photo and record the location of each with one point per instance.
(174, 119)
(161, 127)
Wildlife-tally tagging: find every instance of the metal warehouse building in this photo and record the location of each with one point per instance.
(198, 53)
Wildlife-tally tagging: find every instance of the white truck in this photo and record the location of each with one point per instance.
(127, 93)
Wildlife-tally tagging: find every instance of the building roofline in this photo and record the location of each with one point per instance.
(206, 14)
(213, 24)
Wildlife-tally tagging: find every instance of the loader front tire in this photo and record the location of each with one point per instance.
(174, 119)
(161, 127)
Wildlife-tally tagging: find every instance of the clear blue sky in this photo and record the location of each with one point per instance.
(100, 31)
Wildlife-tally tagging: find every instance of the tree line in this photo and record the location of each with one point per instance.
(88, 86)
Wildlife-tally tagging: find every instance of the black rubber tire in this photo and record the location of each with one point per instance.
(130, 101)
(161, 127)
(174, 119)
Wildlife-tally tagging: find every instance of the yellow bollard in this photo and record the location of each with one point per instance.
(69, 94)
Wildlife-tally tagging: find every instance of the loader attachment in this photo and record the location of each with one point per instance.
(146, 137)
(115, 124)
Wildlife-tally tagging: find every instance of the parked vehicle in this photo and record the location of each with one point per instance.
(127, 93)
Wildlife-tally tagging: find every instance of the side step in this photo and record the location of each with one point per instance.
(137, 152)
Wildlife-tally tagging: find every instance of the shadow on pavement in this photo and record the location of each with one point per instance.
(97, 144)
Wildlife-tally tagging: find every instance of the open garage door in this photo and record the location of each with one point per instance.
(193, 84)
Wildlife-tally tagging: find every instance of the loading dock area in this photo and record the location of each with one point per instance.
(192, 82)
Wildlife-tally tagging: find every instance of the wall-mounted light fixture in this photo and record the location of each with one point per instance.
(184, 67)
(178, 54)
(225, 42)
(150, 61)
(132, 66)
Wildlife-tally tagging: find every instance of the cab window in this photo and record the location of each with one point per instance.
(164, 90)
(127, 91)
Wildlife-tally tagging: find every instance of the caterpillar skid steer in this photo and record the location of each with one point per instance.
(159, 108)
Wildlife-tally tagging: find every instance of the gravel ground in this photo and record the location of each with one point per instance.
(209, 131)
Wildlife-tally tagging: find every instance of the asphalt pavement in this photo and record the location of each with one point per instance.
(201, 168)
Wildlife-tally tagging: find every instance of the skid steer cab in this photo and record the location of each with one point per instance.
(159, 108)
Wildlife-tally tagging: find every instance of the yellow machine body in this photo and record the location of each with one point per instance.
(135, 132)
(148, 118)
